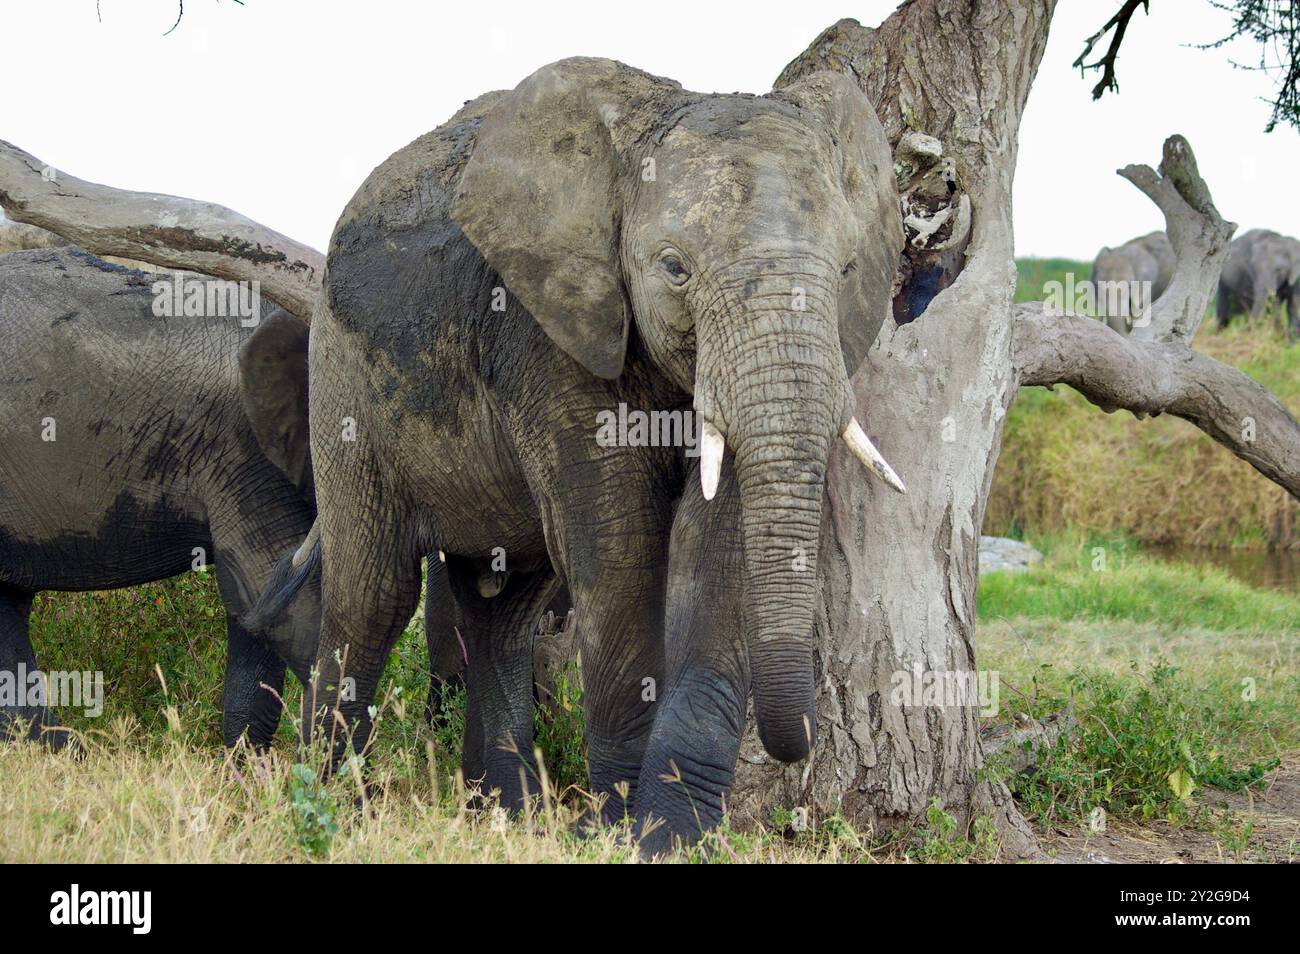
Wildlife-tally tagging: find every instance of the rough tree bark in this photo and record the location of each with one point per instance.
(899, 572)
(950, 79)
(162, 230)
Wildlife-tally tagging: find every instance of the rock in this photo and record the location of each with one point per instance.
(1003, 553)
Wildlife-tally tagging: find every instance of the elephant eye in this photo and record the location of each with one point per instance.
(851, 266)
(676, 269)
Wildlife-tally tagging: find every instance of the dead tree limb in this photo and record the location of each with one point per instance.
(1150, 378)
(1198, 233)
(1156, 371)
(162, 230)
(1119, 23)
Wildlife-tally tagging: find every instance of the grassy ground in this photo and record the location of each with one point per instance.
(1065, 464)
(1186, 684)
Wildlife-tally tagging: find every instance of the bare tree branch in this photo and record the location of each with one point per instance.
(1158, 377)
(1118, 23)
(163, 230)
(1154, 370)
(1198, 233)
(1106, 64)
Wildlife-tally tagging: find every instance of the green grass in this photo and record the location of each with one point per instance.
(1099, 579)
(1184, 681)
(1181, 678)
(1032, 274)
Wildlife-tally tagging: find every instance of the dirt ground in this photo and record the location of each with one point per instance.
(1258, 825)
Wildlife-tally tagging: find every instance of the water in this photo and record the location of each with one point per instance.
(1267, 569)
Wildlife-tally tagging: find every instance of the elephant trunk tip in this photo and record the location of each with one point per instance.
(789, 739)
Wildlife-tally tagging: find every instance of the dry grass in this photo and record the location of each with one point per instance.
(1065, 464)
(128, 799)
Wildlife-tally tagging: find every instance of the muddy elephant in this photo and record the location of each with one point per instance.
(596, 242)
(1261, 264)
(1128, 279)
(135, 448)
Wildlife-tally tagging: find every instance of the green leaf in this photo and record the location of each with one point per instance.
(1182, 784)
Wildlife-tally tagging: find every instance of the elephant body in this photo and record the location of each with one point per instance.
(597, 239)
(1261, 263)
(132, 454)
(1128, 279)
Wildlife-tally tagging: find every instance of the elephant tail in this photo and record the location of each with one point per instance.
(290, 575)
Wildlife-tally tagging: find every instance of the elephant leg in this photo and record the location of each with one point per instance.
(253, 690)
(611, 548)
(1223, 308)
(1258, 302)
(691, 759)
(499, 633)
(17, 669)
(370, 589)
(443, 629)
(245, 549)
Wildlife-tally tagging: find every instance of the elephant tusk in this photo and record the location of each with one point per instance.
(866, 452)
(304, 551)
(712, 444)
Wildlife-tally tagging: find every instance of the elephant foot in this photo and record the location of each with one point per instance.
(511, 782)
(33, 724)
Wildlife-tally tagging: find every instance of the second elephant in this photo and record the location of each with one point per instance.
(137, 448)
(1127, 280)
(1261, 264)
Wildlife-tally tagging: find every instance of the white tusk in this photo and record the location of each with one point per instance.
(303, 552)
(711, 447)
(866, 452)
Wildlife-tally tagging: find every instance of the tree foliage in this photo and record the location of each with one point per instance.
(1274, 25)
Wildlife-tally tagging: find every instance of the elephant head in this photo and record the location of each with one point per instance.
(753, 244)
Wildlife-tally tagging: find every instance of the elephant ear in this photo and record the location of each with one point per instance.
(273, 383)
(868, 183)
(540, 198)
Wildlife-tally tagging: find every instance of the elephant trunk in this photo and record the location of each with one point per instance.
(778, 402)
(781, 486)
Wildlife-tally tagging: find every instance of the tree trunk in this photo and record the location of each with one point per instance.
(898, 573)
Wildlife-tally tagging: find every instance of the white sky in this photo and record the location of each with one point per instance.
(280, 108)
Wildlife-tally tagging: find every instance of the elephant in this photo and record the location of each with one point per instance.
(1130, 278)
(596, 240)
(1260, 263)
(138, 447)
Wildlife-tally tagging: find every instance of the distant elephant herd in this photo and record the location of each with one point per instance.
(1262, 265)
(596, 240)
